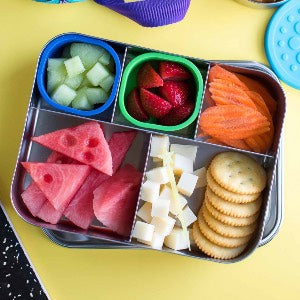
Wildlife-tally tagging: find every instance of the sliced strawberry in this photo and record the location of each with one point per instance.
(154, 105)
(176, 92)
(134, 106)
(178, 115)
(173, 71)
(148, 78)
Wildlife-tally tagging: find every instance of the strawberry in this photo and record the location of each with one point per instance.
(173, 71)
(154, 105)
(134, 106)
(148, 78)
(176, 92)
(178, 115)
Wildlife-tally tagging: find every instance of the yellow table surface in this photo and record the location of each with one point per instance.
(215, 29)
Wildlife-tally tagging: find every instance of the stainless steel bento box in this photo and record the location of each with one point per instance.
(42, 118)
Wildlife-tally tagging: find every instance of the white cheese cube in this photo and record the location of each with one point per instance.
(150, 191)
(159, 175)
(156, 242)
(182, 164)
(145, 212)
(163, 226)
(143, 231)
(166, 193)
(187, 183)
(160, 208)
(159, 145)
(201, 182)
(177, 239)
(188, 216)
(187, 151)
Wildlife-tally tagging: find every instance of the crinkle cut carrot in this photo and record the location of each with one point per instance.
(260, 104)
(235, 143)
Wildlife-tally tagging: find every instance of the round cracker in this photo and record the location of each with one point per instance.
(212, 249)
(230, 220)
(236, 210)
(227, 230)
(227, 195)
(238, 173)
(219, 239)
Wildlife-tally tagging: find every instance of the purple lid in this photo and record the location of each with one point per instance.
(150, 13)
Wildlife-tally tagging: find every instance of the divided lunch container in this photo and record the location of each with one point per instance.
(43, 118)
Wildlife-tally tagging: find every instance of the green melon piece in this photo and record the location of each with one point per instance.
(74, 66)
(64, 95)
(56, 64)
(96, 74)
(89, 54)
(81, 101)
(85, 83)
(105, 58)
(96, 95)
(107, 82)
(74, 82)
(66, 52)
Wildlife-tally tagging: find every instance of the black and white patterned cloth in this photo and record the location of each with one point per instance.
(17, 278)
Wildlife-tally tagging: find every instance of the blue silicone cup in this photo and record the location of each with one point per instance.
(53, 50)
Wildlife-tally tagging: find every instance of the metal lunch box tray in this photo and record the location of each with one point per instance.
(42, 118)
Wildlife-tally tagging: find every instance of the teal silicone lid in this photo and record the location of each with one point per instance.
(282, 43)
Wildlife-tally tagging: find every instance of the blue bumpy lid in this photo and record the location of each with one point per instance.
(282, 43)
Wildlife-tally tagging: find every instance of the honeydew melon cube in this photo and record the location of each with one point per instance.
(159, 145)
(81, 101)
(107, 82)
(187, 183)
(85, 82)
(74, 66)
(160, 208)
(96, 95)
(55, 79)
(177, 239)
(66, 52)
(188, 151)
(163, 226)
(145, 212)
(182, 164)
(74, 82)
(159, 175)
(96, 74)
(201, 182)
(150, 191)
(105, 58)
(156, 242)
(56, 64)
(64, 95)
(188, 216)
(143, 231)
(89, 54)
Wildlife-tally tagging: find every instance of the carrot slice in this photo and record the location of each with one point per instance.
(260, 104)
(235, 143)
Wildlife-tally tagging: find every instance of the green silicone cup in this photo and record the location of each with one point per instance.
(129, 82)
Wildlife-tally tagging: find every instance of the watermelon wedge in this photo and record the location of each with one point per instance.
(80, 210)
(49, 214)
(33, 197)
(116, 198)
(84, 143)
(58, 182)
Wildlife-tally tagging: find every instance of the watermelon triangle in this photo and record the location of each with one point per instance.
(58, 182)
(49, 214)
(84, 143)
(80, 210)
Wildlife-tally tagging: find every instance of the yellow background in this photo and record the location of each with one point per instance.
(214, 29)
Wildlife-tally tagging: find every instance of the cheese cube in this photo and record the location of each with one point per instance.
(187, 151)
(167, 194)
(145, 212)
(156, 242)
(177, 239)
(188, 216)
(143, 231)
(150, 191)
(159, 145)
(159, 175)
(201, 173)
(187, 183)
(182, 164)
(163, 226)
(160, 208)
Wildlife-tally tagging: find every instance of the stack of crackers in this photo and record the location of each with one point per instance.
(229, 214)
